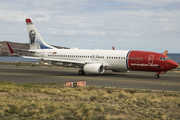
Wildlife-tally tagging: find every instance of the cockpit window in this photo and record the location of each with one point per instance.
(162, 58)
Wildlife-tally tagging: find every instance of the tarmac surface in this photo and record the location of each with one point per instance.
(138, 80)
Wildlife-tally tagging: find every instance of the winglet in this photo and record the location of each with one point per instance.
(28, 21)
(11, 50)
(165, 52)
(113, 48)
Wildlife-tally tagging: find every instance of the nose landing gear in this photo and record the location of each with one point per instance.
(156, 76)
(159, 72)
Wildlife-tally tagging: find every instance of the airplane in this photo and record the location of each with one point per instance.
(97, 61)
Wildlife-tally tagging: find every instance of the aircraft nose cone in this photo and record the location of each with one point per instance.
(174, 64)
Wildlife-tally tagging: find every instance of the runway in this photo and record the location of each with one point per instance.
(138, 80)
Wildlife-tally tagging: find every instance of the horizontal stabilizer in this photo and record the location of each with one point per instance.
(24, 50)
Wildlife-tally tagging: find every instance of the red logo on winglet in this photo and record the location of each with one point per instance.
(28, 20)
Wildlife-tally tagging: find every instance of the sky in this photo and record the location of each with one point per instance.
(148, 25)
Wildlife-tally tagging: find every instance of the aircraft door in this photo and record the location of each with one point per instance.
(42, 54)
(150, 59)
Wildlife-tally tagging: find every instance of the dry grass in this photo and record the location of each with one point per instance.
(53, 101)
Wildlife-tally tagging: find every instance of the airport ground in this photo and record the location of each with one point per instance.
(54, 101)
(47, 74)
(49, 101)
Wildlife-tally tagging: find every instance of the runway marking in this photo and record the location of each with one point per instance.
(15, 74)
(41, 68)
(45, 68)
(74, 69)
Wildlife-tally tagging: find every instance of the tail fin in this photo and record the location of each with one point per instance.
(35, 39)
(165, 52)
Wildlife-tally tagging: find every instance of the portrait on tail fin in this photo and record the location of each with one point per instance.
(32, 37)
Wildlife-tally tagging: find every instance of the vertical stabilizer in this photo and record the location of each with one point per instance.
(35, 39)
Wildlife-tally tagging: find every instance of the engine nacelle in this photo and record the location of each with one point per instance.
(95, 68)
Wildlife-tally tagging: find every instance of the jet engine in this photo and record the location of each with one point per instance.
(95, 68)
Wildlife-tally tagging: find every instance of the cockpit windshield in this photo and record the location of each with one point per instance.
(162, 58)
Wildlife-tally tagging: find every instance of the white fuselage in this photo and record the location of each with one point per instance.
(114, 59)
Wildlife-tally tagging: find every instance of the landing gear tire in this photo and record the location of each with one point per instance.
(157, 76)
(81, 72)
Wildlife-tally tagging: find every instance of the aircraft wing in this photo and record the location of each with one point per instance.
(55, 60)
(11, 50)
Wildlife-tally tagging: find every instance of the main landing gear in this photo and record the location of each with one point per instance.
(156, 76)
(81, 72)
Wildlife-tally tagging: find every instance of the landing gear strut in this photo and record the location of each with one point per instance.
(159, 72)
(81, 72)
(156, 76)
